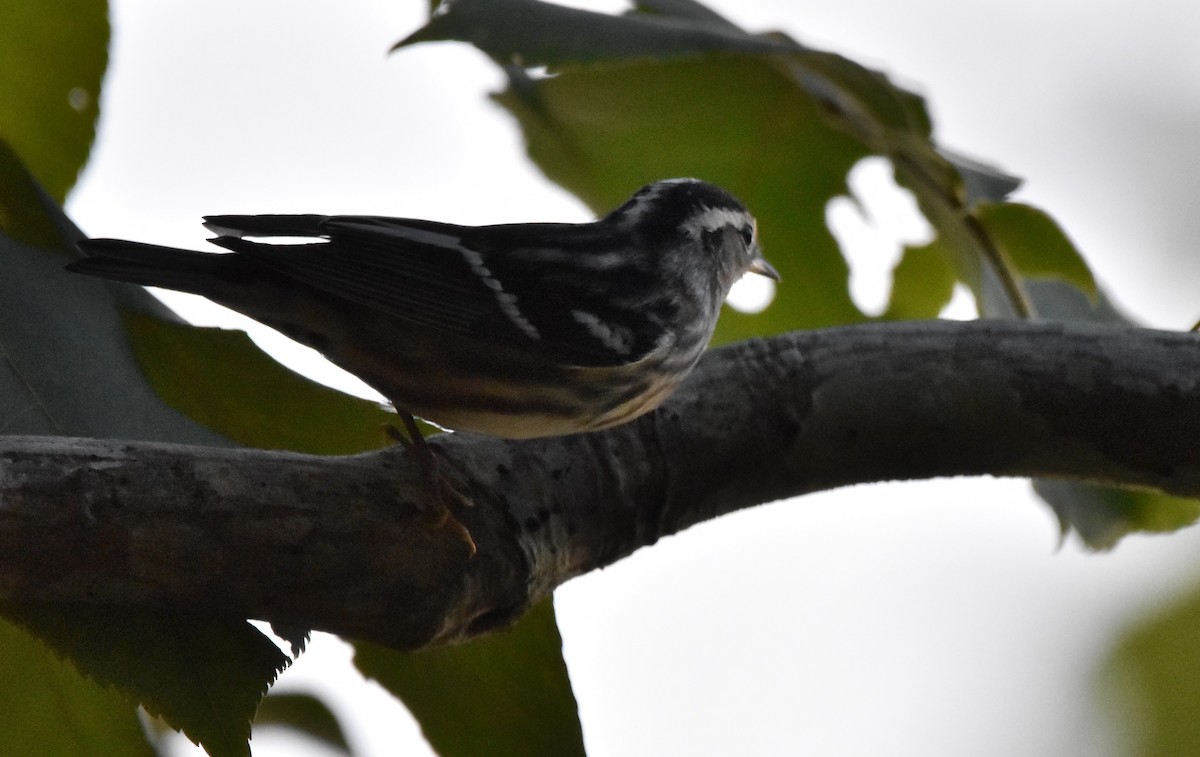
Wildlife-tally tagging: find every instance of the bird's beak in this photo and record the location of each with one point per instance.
(760, 266)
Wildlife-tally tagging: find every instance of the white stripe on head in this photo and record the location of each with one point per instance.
(711, 219)
(645, 200)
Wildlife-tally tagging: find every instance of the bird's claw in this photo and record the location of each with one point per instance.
(440, 492)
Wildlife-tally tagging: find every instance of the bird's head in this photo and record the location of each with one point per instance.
(676, 217)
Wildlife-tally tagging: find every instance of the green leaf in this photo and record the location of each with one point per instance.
(1034, 244)
(1154, 673)
(51, 710)
(981, 182)
(222, 380)
(503, 694)
(304, 713)
(998, 249)
(864, 103)
(742, 122)
(66, 367)
(52, 57)
(894, 123)
(922, 283)
(600, 129)
(26, 215)
(688, 9)
(69, 367)
(1103, 515)
(202, 674)
(780, 131)
(534, 33)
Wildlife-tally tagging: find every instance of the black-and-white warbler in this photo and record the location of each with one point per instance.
(515, 330)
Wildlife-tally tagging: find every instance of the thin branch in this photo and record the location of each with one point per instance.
(343, 544)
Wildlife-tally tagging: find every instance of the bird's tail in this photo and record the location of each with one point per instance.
(266, 226)
(155, 265)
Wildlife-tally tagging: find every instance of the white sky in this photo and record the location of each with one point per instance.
(922, 619)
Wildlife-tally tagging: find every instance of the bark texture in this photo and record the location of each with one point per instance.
(348, 544)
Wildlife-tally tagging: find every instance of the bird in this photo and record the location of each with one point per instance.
(517, 330)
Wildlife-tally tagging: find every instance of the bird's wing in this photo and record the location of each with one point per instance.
(562, 290)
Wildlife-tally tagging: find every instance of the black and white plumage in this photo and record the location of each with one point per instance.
(515, 330)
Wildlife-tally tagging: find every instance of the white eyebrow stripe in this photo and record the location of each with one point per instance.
(712, 219)
(506, 300)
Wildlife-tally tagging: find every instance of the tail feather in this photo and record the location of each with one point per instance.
(156, 265)
(260, 250)
(266, 226)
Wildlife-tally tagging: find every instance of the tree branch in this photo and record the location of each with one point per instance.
(342, 543)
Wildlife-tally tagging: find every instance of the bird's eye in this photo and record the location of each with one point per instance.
(747, 234)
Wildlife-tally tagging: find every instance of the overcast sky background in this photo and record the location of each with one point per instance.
(919, 619)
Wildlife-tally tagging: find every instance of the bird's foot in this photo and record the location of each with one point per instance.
(441, 494)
